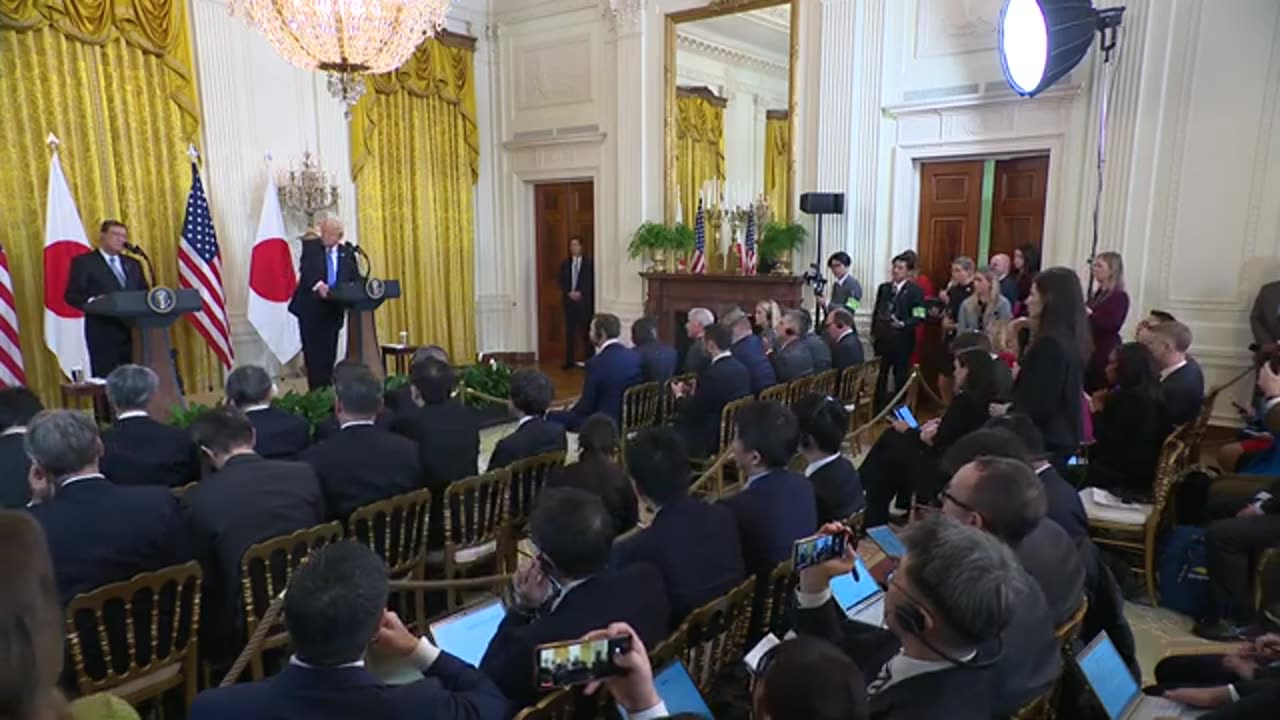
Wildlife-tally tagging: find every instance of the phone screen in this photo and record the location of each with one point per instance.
(1074, 460)
(904, 414)
(576, 663)
(817, 549)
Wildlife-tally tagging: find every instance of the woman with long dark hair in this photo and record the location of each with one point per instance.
(1026, 264)
(1129, 427)
(1107, 307)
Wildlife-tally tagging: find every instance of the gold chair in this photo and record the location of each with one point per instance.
(669, 398)
(641, 408)
(159, 614)
(1193, 432)
(527, 478)
(716, 634)
(569, 704)
(856, 391)
(1266, 586)
(1068, 631)
(856, 521)
(776, 393)
(182, 490)
(265, 570)
(396, 529)
(475, 517)
(826, 382)
(777, 591)
(1041, 708)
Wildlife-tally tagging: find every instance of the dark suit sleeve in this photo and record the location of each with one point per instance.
(914, 299)
(587, 279)
(589, 402)
(77, 293)
(176, 540)
(471, 694)
(509, 658)
(501, 456)
(869, 647)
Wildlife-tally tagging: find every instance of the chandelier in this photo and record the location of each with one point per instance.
(344, 38)
(307, 190)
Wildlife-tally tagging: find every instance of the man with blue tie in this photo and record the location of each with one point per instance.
(94, 274)
(324, 264)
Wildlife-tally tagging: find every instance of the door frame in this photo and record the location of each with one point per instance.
(528, 238)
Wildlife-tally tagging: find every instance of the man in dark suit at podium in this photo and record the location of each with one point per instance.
(578, 288)
(325, 263)
(94, 274)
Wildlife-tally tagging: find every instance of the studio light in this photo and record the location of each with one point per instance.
(1042, 40)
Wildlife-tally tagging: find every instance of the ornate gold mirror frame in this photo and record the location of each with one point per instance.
(717, 8)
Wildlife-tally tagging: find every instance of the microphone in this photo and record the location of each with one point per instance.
(135, 249)
(130, 247)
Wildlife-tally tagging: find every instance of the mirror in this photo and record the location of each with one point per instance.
(729, 119)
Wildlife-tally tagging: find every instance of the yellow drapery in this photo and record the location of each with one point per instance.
(114, 82)
(699, 145)
(415, 160)
(777, 165)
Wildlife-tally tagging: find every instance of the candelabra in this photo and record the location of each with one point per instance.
(715, 218)
(308, 190)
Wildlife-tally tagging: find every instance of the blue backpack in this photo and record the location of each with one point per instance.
(1184, 577)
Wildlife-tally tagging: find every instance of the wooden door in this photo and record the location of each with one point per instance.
(1017, 212)
(561, 211)
(950, 216)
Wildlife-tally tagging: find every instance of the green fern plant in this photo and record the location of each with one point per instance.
(656, 236)
(181, 417)
(779, 238)
(315, 406)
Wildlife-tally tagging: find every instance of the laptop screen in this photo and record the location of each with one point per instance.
(678, 692)
(850, 593)
(884, 536)
(1108, 676)
(466, 634)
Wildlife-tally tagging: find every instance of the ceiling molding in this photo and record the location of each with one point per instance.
(736, 56)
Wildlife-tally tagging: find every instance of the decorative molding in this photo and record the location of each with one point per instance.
(554, 73)
(623, 16)
(954, 27)
(578, 139)
(726, 53)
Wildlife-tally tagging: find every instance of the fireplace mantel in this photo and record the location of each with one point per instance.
(669, 296)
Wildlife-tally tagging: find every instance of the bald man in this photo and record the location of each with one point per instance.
(325, 263)
(1008, 283)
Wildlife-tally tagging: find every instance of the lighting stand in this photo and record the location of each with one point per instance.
(1108, 29)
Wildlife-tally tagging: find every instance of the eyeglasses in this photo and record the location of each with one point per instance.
(946, 495)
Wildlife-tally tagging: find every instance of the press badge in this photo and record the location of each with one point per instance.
(918, 312)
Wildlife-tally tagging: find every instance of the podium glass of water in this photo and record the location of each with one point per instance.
(77, 375)
(404, 337)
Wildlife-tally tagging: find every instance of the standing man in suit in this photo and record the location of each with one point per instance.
(324, 263)
(139, 450)
(1001, 264)
(695, 325)
(611, 370)
(578, 293)
(98, 532)
(1181, 379)
(845, 290)
(95, 274)
(336, 614)
(531, 395)
(17, 406)
(657, 361)
(244, 501)
(280, 435)
(567, 590)
(748, 348)
(792, 359)
(846, 347)
(699, 407)
(899, 309)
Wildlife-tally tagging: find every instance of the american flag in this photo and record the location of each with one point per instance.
(12, 372)
(698, 264)
(200, 268)
(749, 261)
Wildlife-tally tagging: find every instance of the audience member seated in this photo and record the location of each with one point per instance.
(531, 395)
(1153, 318)
(776, 507)
(598, 473)
(610, 371)
(567, 591)
(696, 323)
(99, 532)
(1241, 684)
(985, 306)
(846, 347)
(749, 350)
(822, 421)
(1064, 506)
(1129, 427)
(246, 500)
(17, 406)
(803, 678)
(903, 460)
(329, 426)
(791, 357)
(764, 322)
(952, 647)
(1181, 379)
(281, 435)
(1003, 370)
(657, 361)
(818, 346)
(401, 401)
(693, 544)
(361, 464)
(336, 614)
(137, 449)
(724, 380)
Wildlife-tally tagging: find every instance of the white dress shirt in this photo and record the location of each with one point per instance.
(817, 465)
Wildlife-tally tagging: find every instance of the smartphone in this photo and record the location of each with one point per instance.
(904, 414)
(818, 549)
(576, 662)
(1074, 460)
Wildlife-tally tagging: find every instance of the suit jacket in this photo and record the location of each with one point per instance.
(698, 420)
(848, 352)
(450, 690)
(843, 292)
(1065, 507)
(1183, 393)
(657, 361)
(1032, 655)
(246, 502)
(838, 490)
(634, 595)
(902, 307)
(532, 437)
(100, 532)
(1009, 288)
(586, 282)
(965, 414)
(328, 427)
(1050, 557)
(109, 339)
(448, 443)
(773, 512)
(1264, 318)
(792, 361)
(313, 267)
(279, 435)
(750, 352)
(1049, 390)
(695, 358)
(609, 373)
(14, 467)
(141, 451)
(362, 464)
(694, 545)
(602, 477)
(821, 352)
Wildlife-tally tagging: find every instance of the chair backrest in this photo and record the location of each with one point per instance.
(726, 421)
(396, 529)
(776, 393)
(716, 634)
(1038, 709)
(1194, 431)
(1170, 468)
(778, 590)
(641, 408)
(570, 704)
(1068, 631)
(856, 521)
(141, 632)
(528, 475)
(181, 491)
(475, 509)
(856, 383)
(669, 399)
(265, 568)
(798, 388)
(826, 382)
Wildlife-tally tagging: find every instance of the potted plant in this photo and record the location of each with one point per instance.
(657, 240)
(777, 243)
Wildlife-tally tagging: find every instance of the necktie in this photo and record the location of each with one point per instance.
(333, 268)
(117, 270)
(576, 264)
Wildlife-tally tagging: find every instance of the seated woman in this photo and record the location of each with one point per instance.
(1128, 426)
(597, 473)
(766, 317)
(904, 460)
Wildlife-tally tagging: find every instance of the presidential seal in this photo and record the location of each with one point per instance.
(161, 300)
(375, 288)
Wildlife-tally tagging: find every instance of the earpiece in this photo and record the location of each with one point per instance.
(912, 620)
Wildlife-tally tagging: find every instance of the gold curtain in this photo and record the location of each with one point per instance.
(114, 82)
(777, 165)
(415, 160)
(699, 145)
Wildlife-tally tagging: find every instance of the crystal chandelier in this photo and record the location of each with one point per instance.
(345, 38)
(307, 190)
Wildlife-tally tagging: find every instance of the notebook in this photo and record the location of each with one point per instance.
(678, 692)
(1117, 691)
(889, 543)
(466, 634)
(860, 599)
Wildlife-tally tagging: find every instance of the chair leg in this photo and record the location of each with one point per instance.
(1149, 569)
(257, 670)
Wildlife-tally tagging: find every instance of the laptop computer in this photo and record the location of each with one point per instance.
(884, 537)
(861, 599)
(466, 634)
(678, 693)
(1117, 691)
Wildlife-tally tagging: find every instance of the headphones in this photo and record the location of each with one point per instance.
(911, 619)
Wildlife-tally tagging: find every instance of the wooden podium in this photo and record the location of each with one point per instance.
(670, 296)
(361, 299)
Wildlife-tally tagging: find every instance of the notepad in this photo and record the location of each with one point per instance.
(678, 692)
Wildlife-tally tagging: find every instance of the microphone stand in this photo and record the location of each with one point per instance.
(151, 269)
